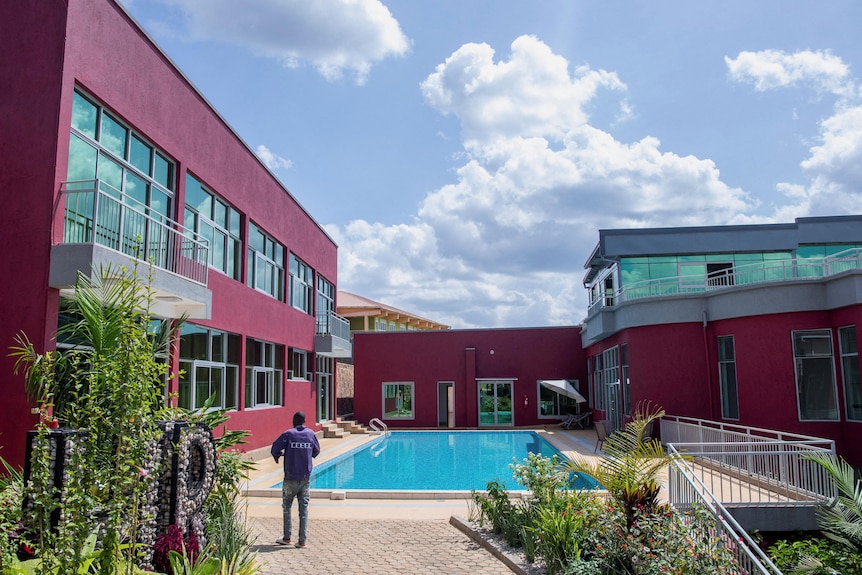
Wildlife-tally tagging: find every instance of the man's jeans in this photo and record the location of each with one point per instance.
(289, 490)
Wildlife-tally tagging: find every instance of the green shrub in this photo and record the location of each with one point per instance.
(787, 556)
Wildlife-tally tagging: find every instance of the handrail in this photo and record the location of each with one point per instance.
(770, 271)
(687, 490)
(377, 425)
(97, 213)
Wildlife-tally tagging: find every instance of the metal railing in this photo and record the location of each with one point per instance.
(688, 492)
(96, 213)
(749, 466)
(377, 425)
(330, 323)
(742, 275)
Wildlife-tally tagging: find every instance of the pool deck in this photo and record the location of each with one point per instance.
(380, 532)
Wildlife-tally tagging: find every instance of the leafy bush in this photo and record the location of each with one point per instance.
(832, 556)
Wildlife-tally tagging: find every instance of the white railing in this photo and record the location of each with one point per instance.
(750, 466)
(377, 425)
(687, 492)
(96, 213)
(742, 275)
(330, 323)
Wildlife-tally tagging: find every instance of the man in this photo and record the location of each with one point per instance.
(298, 445)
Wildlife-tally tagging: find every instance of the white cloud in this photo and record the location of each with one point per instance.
(335, 36)
(770, 69)
(505, 242)
(834, 166)
(272, 160)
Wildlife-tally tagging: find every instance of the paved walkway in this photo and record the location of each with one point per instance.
(376, 536)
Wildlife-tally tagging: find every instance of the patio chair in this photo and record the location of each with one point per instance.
(601, 435)
(568, 420)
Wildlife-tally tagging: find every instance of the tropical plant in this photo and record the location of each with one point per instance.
(11, 495)
(109, 388)
(631, 464)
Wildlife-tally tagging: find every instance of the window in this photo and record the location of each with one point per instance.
(624, 375)
(209, 364)
(611, 380)
(398, 400)
(264, 368)
(265, 263)
(325, 304)
(135, 178)
(301, 284)
(815, 376)
(727, 377)
(553, 404)
(297, 364)
(850, 372)
(598, 385)
(213, 219)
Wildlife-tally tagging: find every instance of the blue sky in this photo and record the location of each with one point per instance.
(464, 154)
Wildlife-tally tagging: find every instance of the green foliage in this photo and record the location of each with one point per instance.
(109, 387)
(631, 463)
(831, 557)
(209, 565)
(540, 475)
(11, 495)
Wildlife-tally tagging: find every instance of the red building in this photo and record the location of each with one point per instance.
(110, 154)
(466, 378)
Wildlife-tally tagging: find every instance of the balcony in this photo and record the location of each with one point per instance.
(332, 338)
(102, 226)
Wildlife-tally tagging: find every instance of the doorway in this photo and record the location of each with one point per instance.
(445, 404)
(495, 402)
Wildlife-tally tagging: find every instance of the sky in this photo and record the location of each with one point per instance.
(463, 154)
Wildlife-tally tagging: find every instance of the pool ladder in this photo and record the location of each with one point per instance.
(377, 425)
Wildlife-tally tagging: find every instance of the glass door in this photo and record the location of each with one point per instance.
(324, 388)
(495, 403)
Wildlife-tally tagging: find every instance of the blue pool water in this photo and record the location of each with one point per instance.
(434, 461)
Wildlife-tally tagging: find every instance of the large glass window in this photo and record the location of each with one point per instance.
(301, 284)
(553, 404)
(298, 366)
(136, 178)
(325, 304)
(624, 378)
(815, 376)
(265, 263)
(208, 215)
(264, 369)
(398, 400)
(850, 372)
(209, 364)
(727, 377)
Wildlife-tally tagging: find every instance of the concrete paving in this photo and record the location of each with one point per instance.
(380, 536)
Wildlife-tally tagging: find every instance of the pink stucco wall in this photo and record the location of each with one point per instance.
(49, 48)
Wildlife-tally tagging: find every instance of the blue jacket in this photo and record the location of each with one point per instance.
(298, 445)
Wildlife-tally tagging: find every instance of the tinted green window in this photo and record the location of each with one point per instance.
(811, 251)
(84, 115)
(82, 160)
(140, 154)
(163, 172)
(113, 136)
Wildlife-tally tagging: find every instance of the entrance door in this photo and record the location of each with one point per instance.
(324, 388)
(445, 404)
(495, 403)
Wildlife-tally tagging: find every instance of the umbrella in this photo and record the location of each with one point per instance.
(563, 387)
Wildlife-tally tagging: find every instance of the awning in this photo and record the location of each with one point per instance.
(563, 387)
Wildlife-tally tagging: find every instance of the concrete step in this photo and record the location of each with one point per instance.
(331, 430)
(350, 426)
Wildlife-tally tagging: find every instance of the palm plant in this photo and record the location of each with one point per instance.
(631, 464)
(841, 519)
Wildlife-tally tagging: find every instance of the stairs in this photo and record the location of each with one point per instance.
(342, 428)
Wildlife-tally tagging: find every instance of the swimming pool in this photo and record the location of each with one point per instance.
(434, 461)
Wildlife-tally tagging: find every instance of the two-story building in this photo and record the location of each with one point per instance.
(111, 156)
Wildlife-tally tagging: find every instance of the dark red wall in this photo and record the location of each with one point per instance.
(462, 356)
(674, 367)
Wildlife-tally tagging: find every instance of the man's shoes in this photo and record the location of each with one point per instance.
(300, 545)
(282, 541)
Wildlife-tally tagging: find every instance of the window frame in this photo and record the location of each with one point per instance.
(189, 366)
(268, 261)
(295, 354)
(301, 287)
(562, 404)
(394, 397)
(853, 357)
(273, 353)
(194, 219)
(797, 363)
(724, 365)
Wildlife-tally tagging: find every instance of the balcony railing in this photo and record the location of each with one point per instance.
(743, 275)
(330, 323)
(96, 213)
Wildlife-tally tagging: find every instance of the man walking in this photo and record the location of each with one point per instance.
(298, 445)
